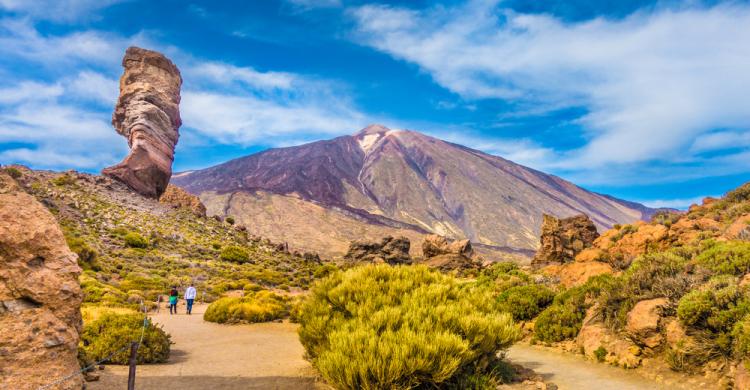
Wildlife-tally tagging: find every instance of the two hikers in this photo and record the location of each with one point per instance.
(190, 294)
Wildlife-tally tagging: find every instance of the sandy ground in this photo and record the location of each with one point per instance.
(573, 372)
(211, 356)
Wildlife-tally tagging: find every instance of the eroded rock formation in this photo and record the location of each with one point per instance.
(148, 115)
(446, 255)
(389, 250)
(562, 239)
(181, 199)
(40, 297)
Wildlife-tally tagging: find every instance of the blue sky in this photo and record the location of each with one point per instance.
(643, 100)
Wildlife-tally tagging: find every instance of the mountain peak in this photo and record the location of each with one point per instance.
(372, 129)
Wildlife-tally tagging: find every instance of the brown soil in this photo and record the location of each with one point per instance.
(212, 356)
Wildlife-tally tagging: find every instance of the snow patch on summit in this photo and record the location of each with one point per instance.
(368, 141)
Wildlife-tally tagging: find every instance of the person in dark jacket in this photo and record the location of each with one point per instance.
(173, 295)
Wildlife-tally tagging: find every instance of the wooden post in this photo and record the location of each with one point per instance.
(131, 362)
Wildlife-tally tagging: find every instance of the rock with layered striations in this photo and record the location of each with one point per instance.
(389, 250)
(40, 297)
(562, 239)
(181, 199)
(148, 115)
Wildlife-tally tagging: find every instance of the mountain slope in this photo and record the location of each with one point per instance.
(402, 180)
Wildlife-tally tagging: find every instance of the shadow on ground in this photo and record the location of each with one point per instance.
(112, 382)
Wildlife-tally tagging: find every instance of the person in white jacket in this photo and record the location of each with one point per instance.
(190, 297)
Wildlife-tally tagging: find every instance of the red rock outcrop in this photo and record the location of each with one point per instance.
(148, 115)
(40, 297)
(181, 199)
(562, 239)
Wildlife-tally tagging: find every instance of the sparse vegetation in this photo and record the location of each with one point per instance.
(400, 327)
(13, 172)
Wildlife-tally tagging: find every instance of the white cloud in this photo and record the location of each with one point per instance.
(247, 119)
(680, 204)
(654, 83)
(62, 119)
(310, 4)
(224, 74)
(57, 10)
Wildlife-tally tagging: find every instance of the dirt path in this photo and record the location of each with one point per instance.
(211, 356)
(269, 356)
(573, 372)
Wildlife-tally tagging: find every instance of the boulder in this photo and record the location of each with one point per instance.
(577, 273)
(447, 255)
(178, 198)
(562, 239)
(595, 335)
(435, 245)
(643, 322)
(389, 250)
(40, 297)
(148, 115)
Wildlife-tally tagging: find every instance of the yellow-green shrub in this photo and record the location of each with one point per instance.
(135, 240)
(113, 331)
(377, 326)
(236, 254)
(731, 257)
(259, 306)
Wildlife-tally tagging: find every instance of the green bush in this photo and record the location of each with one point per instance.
(86, 254)
(260, 306)
(558, 323)
(661, 274)
(379, 326)
(95, 291)
(135, 240)
(13, 172)
(563, 319)
(741, 338)
(64, 180)
(714, 310)
(229, 220)
(502, 276)
(732, 258)
(600, 353)
(525, 302)
(235, 254)
(113, 331)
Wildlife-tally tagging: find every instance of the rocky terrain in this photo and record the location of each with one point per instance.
(381, 182)
(148, 115)
(668, 293)
(40, 297)
(132, 247)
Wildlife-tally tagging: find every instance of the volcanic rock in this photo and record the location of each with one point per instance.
(447, 255)
(40, 297)
(562, 239)
(389, 250)
(643, 322)
(148, 115)
(181, 199)
(435, 245)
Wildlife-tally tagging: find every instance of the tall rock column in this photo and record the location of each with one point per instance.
(148, 115)
(40, 297)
